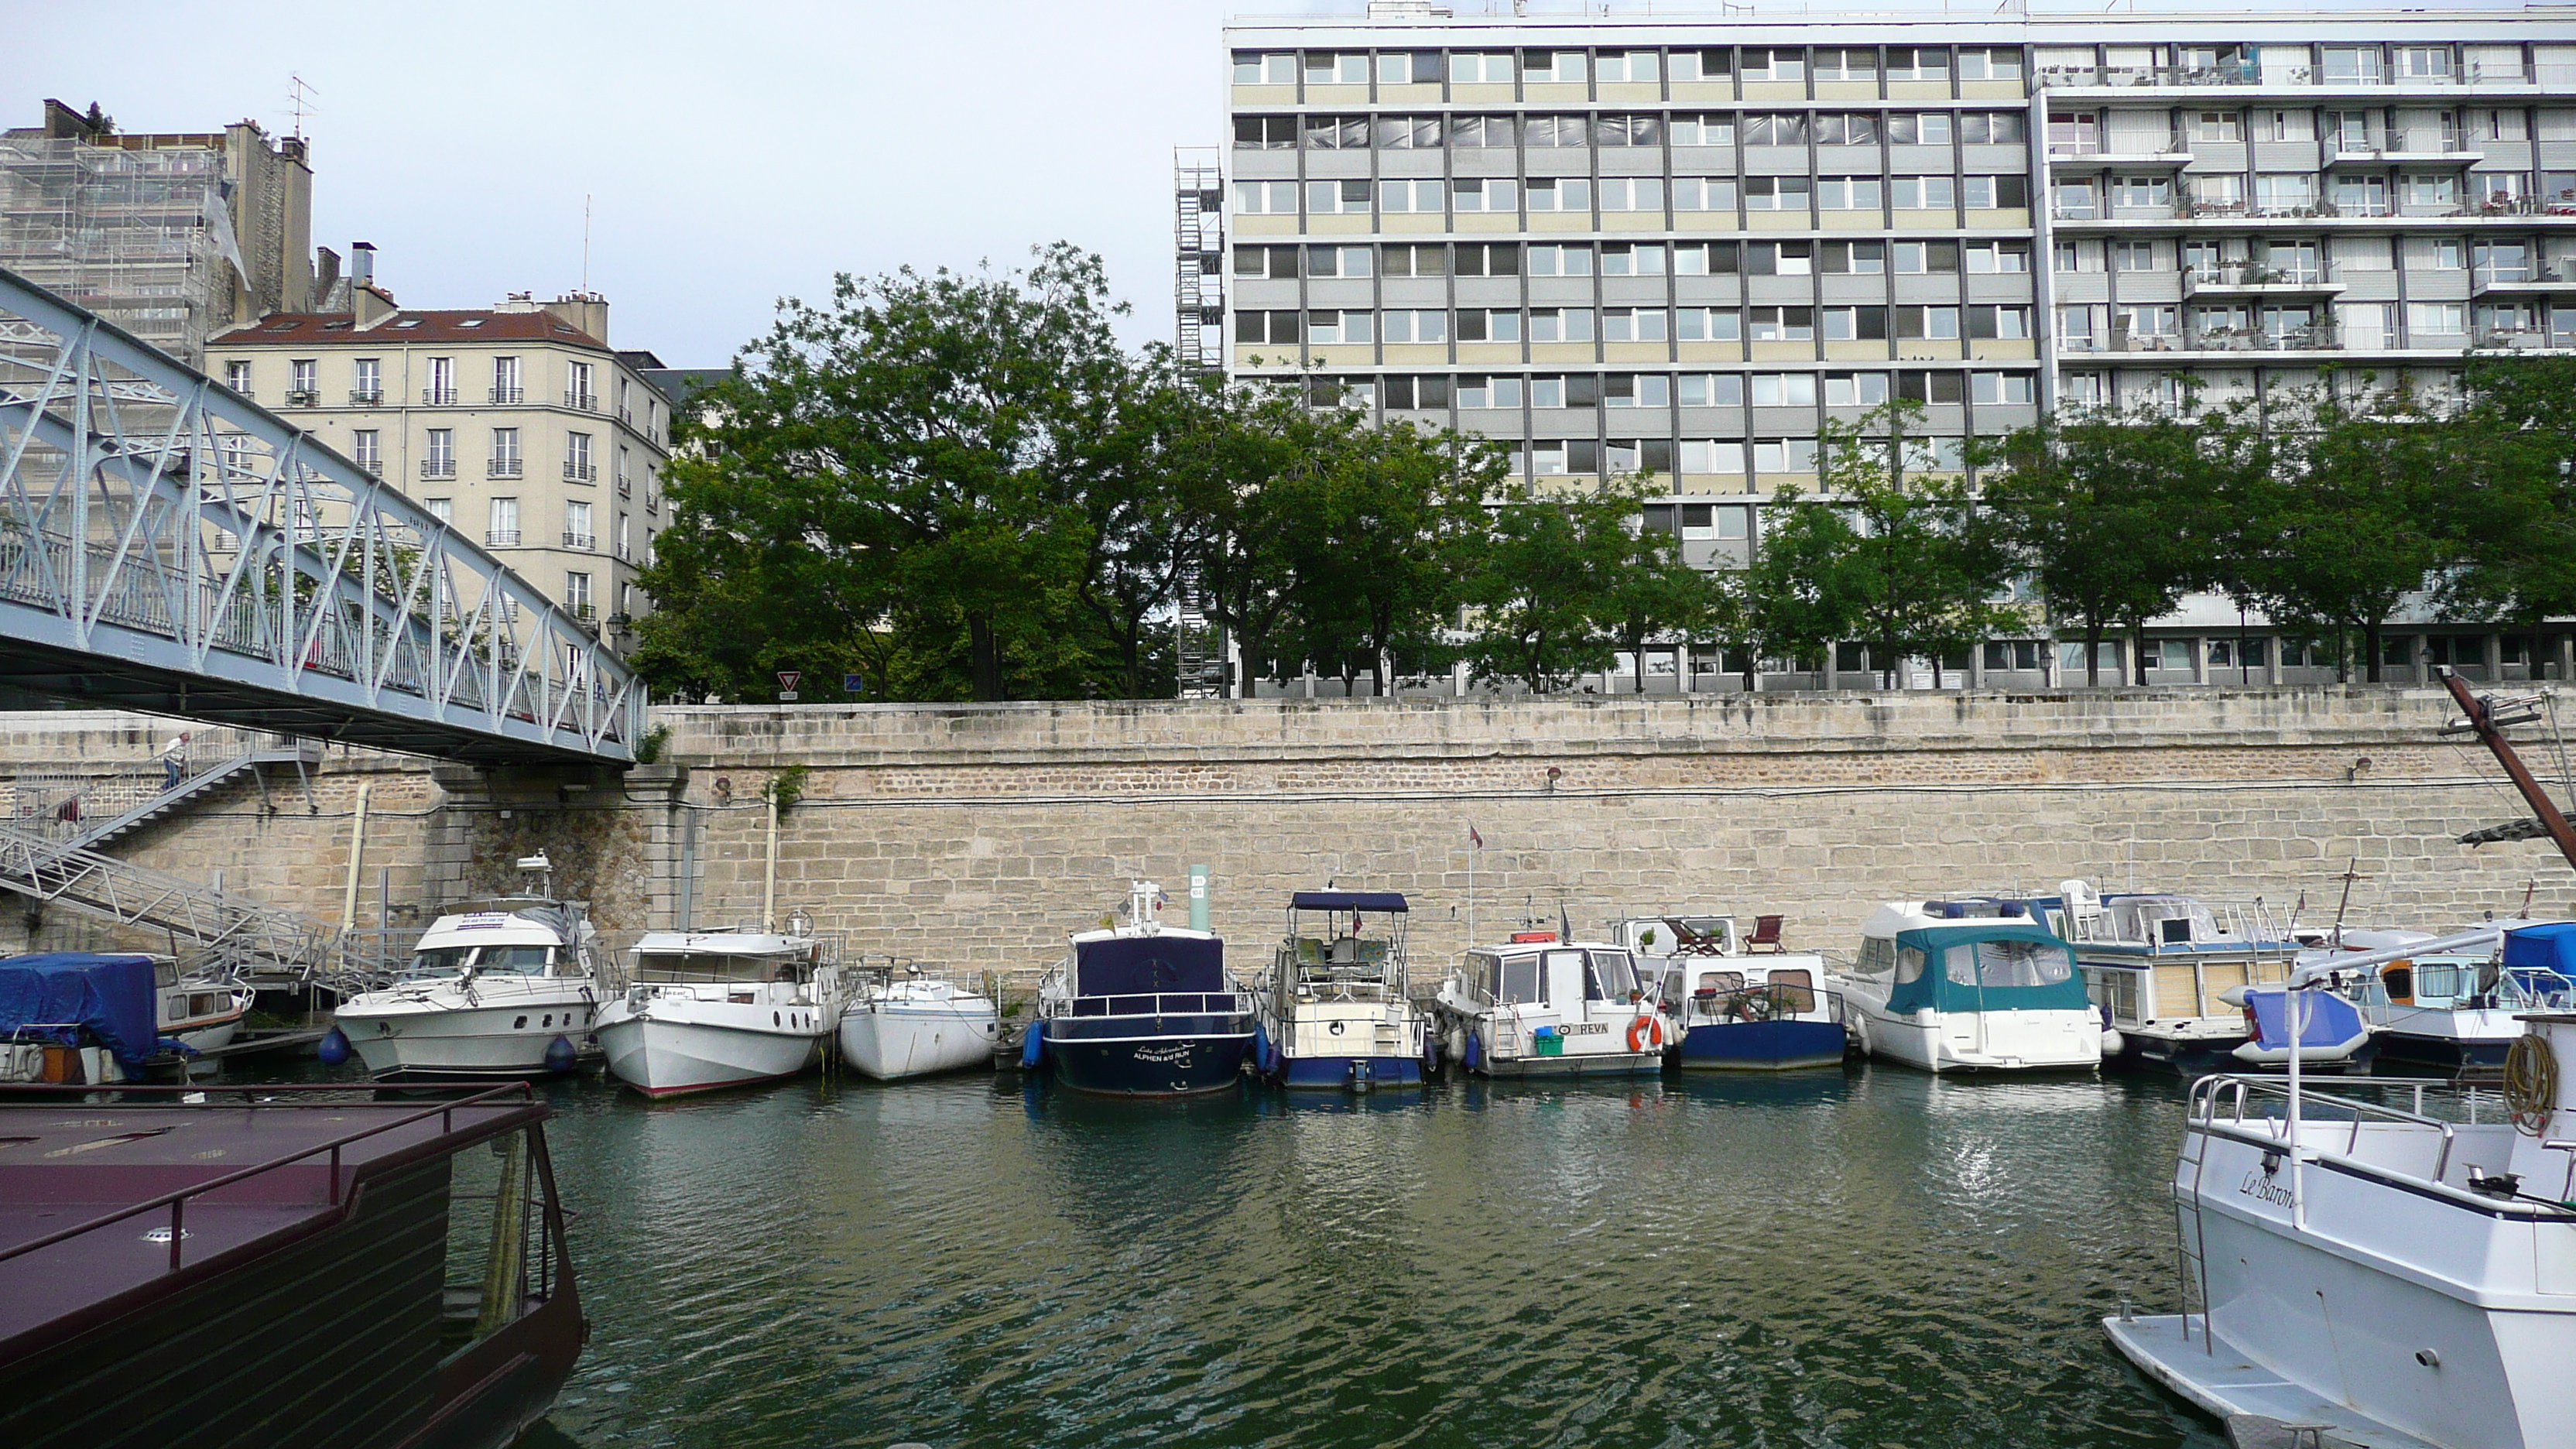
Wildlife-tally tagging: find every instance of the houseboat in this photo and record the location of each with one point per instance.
(1334, 1012)
(279, 1266)
(1973, 985)
(903, 1021)
(1537, 1006)
(503, 988)
(1140, 1009)
(1728, 1009)
(705, 1010)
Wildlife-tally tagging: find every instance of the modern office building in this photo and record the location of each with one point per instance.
(169, 236)
(517, 423)
(1646, 243)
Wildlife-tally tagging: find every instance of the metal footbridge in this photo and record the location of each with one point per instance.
(168, 546)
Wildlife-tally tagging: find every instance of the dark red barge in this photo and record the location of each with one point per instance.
(279, 1266)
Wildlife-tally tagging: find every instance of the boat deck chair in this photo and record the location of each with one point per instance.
(1766, 936)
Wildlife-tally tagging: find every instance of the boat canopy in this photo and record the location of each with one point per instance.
(2547, 947)
(1347, 901)
(51, 996)
(1148, 965)
(2002, 966)
(2325, 1019)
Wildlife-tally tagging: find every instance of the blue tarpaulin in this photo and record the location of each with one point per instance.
(2549, 947)
(2324, 1020)
(66, 991)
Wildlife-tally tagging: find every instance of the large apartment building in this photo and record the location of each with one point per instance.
(1679, 245)
(517, 424)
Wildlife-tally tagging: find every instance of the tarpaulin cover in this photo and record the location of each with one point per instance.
(1389, 901)
(1145, 965)
(2550, 947)
(2324, 1019)
(109, 995)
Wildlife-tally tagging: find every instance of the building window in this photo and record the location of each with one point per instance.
(577, 460)
(625, 470)
(1784, 455)
(1412, 326)
(506, 382)
(1848, 193)
(1329, 68)
(1560, 324)
(1787, 324)
(1710, 389)
(1252, 68)
(438, 455)
(1561, 261)
(1267, 198)
(442, 509)
(1921, 128)
(1856, 258)
(1855, 324)
(1494, 193)
(1415, 67)
(578, 391)
(237, 377)
(2005, 387)
(505, 453)
(367, 381)
(1992, 193)
(1422, 195)
(1923, 193)
(1708, 324)
(1559, 193)
(441, 389)
(502, 531)
(577, 596)
(1998, 323)
(1326, 198)
(301, 389)
(1632, 193)
(366, 449)
(1855, 389)
(625, 538)
(1784, 389)
(577, 532)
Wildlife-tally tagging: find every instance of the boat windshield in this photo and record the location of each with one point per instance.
(512, 961)
(1999, 964)
(440, 961)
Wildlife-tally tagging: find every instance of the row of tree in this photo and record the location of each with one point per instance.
(960, 486)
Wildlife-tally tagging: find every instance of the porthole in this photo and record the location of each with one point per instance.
(549, 1021)
(520, 1023)
(773, 1018)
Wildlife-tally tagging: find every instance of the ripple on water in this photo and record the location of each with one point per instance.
(1824, 1260)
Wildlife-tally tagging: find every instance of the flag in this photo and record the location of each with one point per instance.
(1473, 838)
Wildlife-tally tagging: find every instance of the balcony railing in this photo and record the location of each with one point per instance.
(2250, 275)
(438, 397)
(583, 542)
(366, 397)
(583, 402)
(503, 468)
(503, 397)
(625, 486)
(2515, 339)
(626, 416)
(2315, 337)
(500, 538)
(303, 397)
(586, 612)
(2174, 148)
(581, 473)
(652, 503)
(435, 469)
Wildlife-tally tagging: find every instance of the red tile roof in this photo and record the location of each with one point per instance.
(410, 326)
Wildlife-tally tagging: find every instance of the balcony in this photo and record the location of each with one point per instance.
(626, 416)
(438, 397)
(2092, 154)
(2525, 279)
(435, 470)
(582, 402)
(2516, 339)
(2131, 77)
(652, 503)
(581, 473)
(2316, 337)
(366, 397)
(2410, 150)
(2246, 279)
(504, 397)
(501, 538)
(581, 542)
(503, 468)
(625, 487)
(586, 612)
(303, 397)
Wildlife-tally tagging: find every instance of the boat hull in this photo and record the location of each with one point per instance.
(665, 1057)
(2450, 1053)
(1335, 1074)
(2008, 1042)
(1760, 1046)
(893, 1042)
(2198, 1056)
(504, 1040)
(1158, 1056)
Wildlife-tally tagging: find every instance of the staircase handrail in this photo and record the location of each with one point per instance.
(219, 922)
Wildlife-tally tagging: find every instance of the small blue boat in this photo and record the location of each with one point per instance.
(1334, 1014)
(1730, 1010)
(1141, 1010)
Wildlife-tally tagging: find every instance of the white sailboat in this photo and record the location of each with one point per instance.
(904, 1022)
(711, 1009)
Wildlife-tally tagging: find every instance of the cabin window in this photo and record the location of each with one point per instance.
(1713, 983)
(201, 1005)
(1519, 980)
(2001, 964)
(2117, 990)
(1607, 976)
(1793, 990)
(2400, 981)
(517, 960)
(2437, 983)
(441, 961)
(1878, 959)
(178, 1007)
(1909, 964)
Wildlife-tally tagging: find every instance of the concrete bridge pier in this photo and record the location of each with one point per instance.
(616, 836)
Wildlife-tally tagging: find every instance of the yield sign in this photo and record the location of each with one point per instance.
(787, 679)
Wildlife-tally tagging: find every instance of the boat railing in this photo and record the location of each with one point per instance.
(1761, 1002)
(513, 1094)
(1161, 1003)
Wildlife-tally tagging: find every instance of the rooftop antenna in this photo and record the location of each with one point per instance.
(585, 243)
(299, 101)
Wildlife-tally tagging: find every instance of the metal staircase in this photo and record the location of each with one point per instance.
(102, 809)
(206, 926)
(1198, 285)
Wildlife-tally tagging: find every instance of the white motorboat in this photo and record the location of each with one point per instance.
(1334, 1012)
(905, 1022)
(2460, 1011)
(1954, 986)
(505, 989)
(1536, 1006)
(2391, 1276)
(711, 1009)
(199, 1010)
(1731, 1009)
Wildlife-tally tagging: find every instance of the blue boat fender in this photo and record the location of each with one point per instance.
(1430, 1054)
(560, 1055)
(334, 1048)
(1033, 1046)
(1475, 1056)
(1262, 1064)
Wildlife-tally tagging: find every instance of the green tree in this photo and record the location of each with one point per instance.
(1801, 597)
(1652, 596)
(1923, 573)
(2107, 513)
(2509, 500)
(1544, 565)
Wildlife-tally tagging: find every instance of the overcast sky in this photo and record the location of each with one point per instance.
(733, 152)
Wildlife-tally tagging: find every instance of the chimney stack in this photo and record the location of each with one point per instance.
(362, 263)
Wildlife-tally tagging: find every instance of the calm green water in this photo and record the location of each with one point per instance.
(1878, 1258)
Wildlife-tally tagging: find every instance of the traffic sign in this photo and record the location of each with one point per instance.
(787, 684)
(854, 684)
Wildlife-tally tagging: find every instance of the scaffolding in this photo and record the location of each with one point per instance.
(141, 237)
(1198, 285)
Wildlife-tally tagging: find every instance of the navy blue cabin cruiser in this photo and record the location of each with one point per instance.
(1141, 1010)
(1334, 1013)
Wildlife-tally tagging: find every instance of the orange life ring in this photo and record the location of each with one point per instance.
(1643, 1030)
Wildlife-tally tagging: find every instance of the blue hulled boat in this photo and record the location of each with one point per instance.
(1731, 1010)
(1335, 1014)
(1141, 1010)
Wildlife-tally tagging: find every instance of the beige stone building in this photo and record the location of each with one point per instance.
(516, 423)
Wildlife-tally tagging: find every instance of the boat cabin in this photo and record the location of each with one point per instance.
(699, 957)
(537, 939)
(1169, 972)
(1565, 976)
(1952, 958)
(1335, 951)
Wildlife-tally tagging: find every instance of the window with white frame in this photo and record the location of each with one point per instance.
(1708, 324)
(1783, 389)
(1997, 257)
(1634, 324)
(1784, 455)
(1632, 259)
(1637, 390)
(503, 529)
(1326, 198)
(1559, 193)
(1849, 193)
(1709, 389)
(1253, 68)
(1420, 194)
(1704, 193)
(438, 453)
(1491, 68)
(1561, 261)
(1932, 323)
(302, 380)
(1266, 198)
(1424, 325)
(1491, 193)
(1702, 65)
(1632, 193)
(1781, 324)
(1327, 328)
(506, 386)
(367, 449)
(577, 594)
(1779, 63)
(1855, 324)
(1704, 259)
(2004, 387)
(442, 509)
(1712, 456)
(577, 528)
(1923, 193)
(237, 376)
(1336, 68)
(1702, 130)
(1632, 66)
(1560, 324)
(1855, 389)
(367, 381)
(1489, 392)
(1408, 67)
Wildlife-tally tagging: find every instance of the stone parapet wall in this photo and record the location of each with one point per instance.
(976, 835)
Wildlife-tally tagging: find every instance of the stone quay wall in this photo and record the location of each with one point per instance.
(977, 835)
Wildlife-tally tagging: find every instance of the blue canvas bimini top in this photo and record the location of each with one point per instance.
(1148, 965)
(1390, 901)
(2548, 947)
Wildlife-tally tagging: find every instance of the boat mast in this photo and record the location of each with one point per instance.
(2481, 721)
